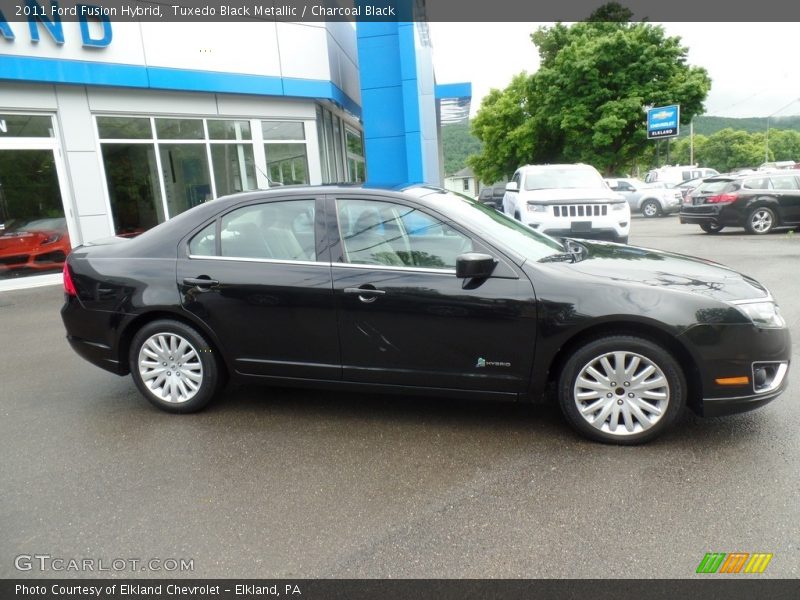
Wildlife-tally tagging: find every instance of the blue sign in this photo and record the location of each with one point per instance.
(663, 121)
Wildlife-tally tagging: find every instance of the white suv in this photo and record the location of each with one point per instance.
(567, 200)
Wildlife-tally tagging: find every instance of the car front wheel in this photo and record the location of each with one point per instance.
(173, 366)
(621, 390)
(760, 220)
(651, 209)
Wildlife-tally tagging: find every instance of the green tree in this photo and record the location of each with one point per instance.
(729, 149)
(586, 103)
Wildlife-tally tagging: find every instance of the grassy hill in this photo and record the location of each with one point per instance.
(457, 144)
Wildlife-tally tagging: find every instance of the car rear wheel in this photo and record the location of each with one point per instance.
(761, 220)
(651, 208)
(621, 390)
(711, 227)
(173, 366)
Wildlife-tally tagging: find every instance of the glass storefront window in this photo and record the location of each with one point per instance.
(124, 128)
(286, 163)
(180, 129)
(26, 126)
(283, 130)
(234, 168)
(187, 182)
(133, 187)
(229, 130)
(355, 156)
(33, 230)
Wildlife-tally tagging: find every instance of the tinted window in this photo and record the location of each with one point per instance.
(384, 233)
(784, 183)
(203, 244)
(712, 186)
(273, 230)
(758, 183)
(555, 178)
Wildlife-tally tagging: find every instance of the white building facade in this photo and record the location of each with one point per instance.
(110, 128)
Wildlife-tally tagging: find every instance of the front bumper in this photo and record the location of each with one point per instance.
(725, 352)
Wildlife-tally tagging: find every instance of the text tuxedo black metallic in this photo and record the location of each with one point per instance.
(422, 291)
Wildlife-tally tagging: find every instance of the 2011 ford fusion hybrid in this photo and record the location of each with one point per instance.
(421, 291)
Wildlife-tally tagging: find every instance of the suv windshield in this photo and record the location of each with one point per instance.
(555, 178)
(494, 226)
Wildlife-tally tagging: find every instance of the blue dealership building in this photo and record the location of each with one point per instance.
(110, 127)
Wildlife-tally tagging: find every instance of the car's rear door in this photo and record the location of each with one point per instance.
(404, 316)
(259, 277)
(787, 193)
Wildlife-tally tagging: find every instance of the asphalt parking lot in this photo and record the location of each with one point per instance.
(290, 483)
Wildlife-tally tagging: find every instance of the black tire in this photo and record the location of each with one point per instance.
(657, 415)
(651, 208)
(711, 227)
(203, 363)
(761, 220)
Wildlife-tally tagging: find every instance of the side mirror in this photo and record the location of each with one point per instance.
(512, 186)
(474, 265)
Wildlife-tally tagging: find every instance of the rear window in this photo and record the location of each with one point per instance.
(712, 186)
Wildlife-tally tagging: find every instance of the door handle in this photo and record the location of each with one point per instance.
(200, 282)
(365, 294)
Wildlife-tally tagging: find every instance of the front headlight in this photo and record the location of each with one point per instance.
(619, 206)
(763, 314)
(536, 207)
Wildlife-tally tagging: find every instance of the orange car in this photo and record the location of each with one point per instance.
(39, 245)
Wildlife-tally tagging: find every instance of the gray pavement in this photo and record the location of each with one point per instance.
(291, 483)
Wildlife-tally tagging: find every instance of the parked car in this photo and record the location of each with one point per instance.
(329, 287)
(493, 196)
(759, 202)
(687, 186)
(678, 173)
(650, 199)
(567, 200)
(35, 245)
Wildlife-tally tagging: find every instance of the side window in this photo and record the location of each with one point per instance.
(624, 186)
(273, 230)
(384, 233)
(784, 183)
(518, 180)
(204, 243)
(760, 183)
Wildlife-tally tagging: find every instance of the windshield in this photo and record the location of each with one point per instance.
(494, 226)
(561, 178)
(53, 224)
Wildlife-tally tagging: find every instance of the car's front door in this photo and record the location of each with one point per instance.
(404, 316)
(259, 277)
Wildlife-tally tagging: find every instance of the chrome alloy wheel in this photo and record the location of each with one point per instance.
(170, 367)
(621, 393)
(761, 220)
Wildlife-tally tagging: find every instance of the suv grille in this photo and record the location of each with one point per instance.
(580, 210)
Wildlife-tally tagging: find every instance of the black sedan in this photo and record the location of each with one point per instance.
(420, 291)
(759, 202)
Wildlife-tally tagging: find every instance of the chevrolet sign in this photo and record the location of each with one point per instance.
(663, 121)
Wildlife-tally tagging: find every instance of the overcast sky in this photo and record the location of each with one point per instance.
(753, 66)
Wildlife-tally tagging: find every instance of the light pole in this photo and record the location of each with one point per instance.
(766, 138)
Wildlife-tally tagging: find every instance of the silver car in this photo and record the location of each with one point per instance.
(650, 199)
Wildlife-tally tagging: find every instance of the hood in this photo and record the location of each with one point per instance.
(570, 195)
(631, 264)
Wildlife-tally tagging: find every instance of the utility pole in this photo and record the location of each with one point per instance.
(691, 142)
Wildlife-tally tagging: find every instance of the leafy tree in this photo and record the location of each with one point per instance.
(586, 102)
